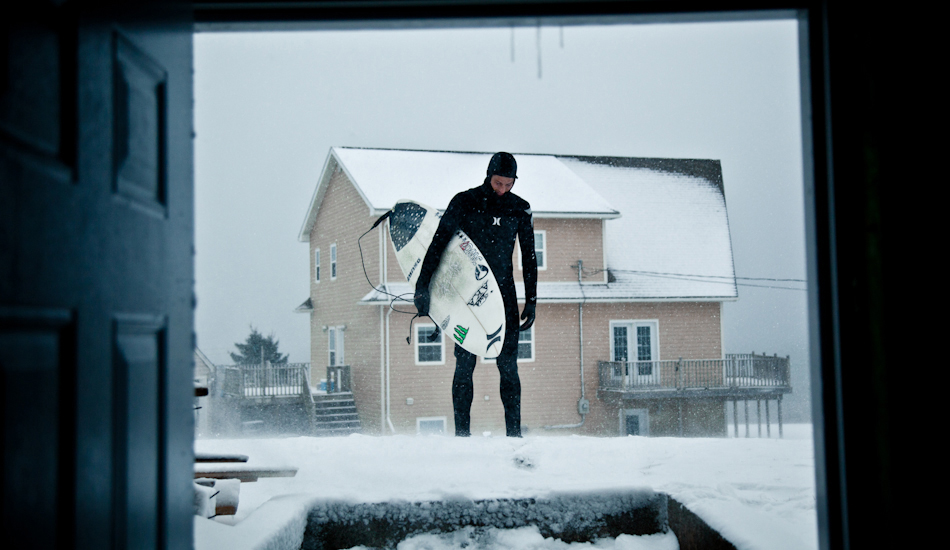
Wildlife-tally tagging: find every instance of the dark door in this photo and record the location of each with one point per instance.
(96, 277)
(633, 424)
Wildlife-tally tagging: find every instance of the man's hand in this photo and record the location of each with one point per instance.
(421, 300)
(527, 316)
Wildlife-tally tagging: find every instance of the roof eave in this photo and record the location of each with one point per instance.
(581, 300)
(320, 191)
(317, 198)
(550, 215)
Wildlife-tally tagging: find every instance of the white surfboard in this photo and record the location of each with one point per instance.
(465, 300)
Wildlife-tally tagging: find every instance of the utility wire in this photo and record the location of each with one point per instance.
(707, 278)
(703, 276)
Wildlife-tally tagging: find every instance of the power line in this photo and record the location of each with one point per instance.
(709, 278)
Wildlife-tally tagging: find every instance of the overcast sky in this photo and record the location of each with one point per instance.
(269, 106)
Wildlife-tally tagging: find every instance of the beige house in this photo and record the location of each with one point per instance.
(635, 260)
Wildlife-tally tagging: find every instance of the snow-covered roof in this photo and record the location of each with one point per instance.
(672, 239)
(666, 231)
(202, 360)
(384, 176)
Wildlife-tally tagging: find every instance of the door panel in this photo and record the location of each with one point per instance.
(35, 367)
(96, 224)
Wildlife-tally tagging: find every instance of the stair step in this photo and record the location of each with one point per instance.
(335, 415)
(335, 419)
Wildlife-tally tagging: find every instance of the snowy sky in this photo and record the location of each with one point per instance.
(268, 106)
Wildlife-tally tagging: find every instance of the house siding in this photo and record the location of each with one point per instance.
(568, 240)
(343, 217)
(688, 330)
(551, 383)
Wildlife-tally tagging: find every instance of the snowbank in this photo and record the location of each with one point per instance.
(759, 493)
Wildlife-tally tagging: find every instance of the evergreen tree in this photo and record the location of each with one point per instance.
(249, 353)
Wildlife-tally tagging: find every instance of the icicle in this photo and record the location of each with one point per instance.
(539, 50)
(512, 43)
(561, 28)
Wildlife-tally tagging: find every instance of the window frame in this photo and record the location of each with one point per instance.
(417, 344)
(828, 267)
(491, 360)
(336, 345)
(316, 264)
(333, 259)
(632, 344)
(443, 419)
(542, 266)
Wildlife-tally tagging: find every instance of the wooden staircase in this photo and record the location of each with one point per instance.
(335, 414)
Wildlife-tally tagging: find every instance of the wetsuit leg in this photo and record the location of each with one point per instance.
(462, 391)
(510, 387)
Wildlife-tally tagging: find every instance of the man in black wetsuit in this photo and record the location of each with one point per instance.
(492, 216)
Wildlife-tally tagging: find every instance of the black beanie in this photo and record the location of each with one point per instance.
(503, 164)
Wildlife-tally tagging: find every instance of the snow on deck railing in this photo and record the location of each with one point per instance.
(267, 380)
(735, 371)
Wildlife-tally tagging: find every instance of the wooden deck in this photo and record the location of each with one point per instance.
(738, 376)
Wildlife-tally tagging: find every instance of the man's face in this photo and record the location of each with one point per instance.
(501, 184)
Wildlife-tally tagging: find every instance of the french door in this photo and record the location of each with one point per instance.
(634, 347)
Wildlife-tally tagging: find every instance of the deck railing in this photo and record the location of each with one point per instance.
(267, 380)
(338, 379)
(735, 371)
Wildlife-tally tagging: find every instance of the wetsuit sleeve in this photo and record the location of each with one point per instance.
(447, 226)
(529, 262)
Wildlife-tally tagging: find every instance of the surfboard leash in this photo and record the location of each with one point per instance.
(363, 264)
(432, 337)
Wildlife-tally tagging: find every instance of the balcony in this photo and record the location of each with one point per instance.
(267, 381)
(738, 376)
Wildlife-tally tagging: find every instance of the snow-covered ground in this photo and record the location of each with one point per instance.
(758, 492)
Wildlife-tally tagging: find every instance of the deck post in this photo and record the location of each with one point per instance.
(680, 401)
(768, 427)
(778, 403)
(758, 415)
(745, 403)
(735, 416)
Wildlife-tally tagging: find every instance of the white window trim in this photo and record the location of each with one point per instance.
(534, 355)
(655, 323)
(340, 343)
(316, 265)
(544, 248)
(415, 350)
(421, 419)
(333, 259)
(544, 251)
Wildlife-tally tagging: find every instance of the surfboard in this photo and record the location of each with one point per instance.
(465, 300)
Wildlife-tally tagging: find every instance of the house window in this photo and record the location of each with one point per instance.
(430, 425)
(644, 343)
(540, 250)
(540, 247)
(333, 261)
(428, 352)
(335, 346)
(525, 347)
(634, 343)
(316, 265)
